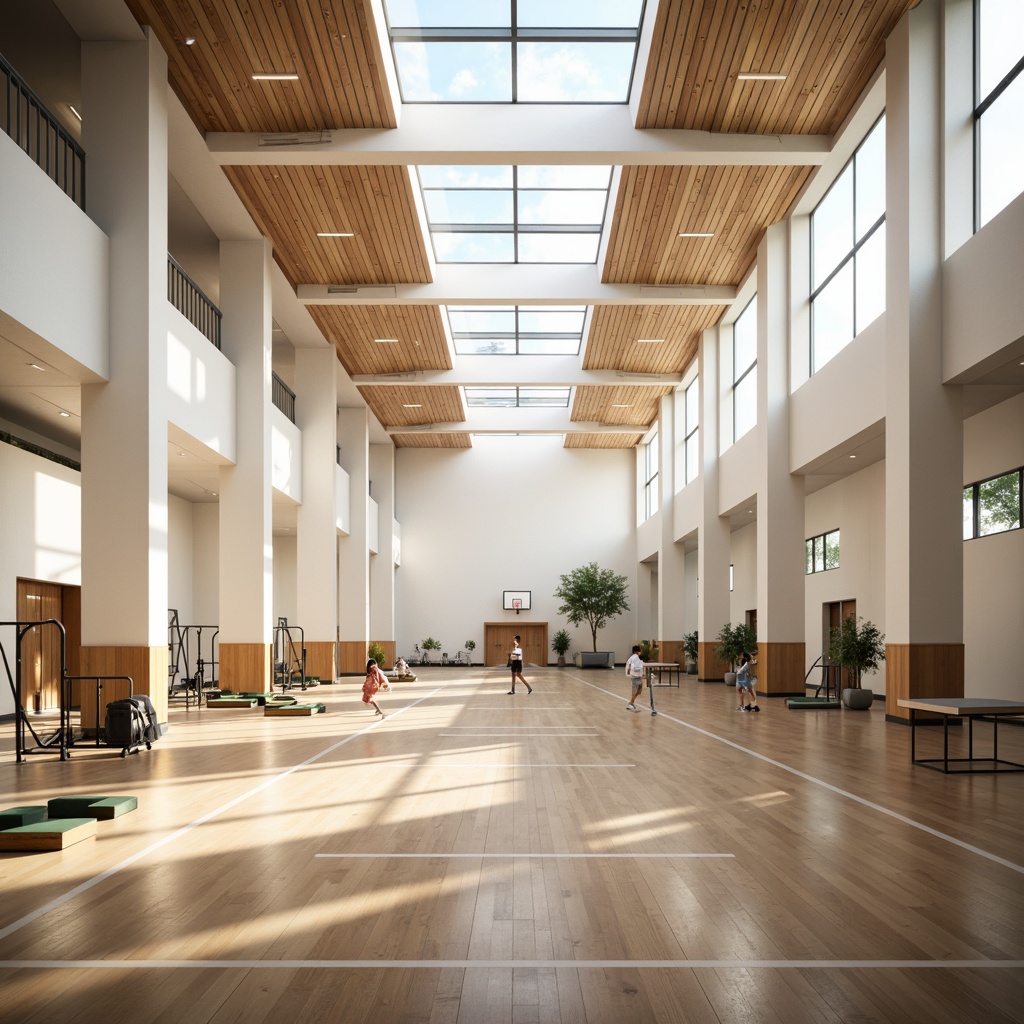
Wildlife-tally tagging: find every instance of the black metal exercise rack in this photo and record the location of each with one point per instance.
(191, 666)
(63, 738)
(289, 656)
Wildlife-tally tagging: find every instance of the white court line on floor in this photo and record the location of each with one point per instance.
(579, 965)
(527, 856)
(828, 785)
(523, 735)
(513, 726)
(185, 829)
(447, 765)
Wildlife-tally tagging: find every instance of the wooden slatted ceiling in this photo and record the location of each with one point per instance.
(352, 330)
(612, 343)
(603, 440)
(438, 404)
(829, 50)
(655, 204)
(432, 440)
(596, 403)
(330, 45)
(291, 204)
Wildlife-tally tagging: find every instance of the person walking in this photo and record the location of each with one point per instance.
(375, 680)
(515, 661)
(635, 671)
(745, 683)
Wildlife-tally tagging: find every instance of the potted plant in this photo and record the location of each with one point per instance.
(592, 595)
(648, 651)
(430, 644)
(376, 651)
(470, 646)
(858, 647)
(732, 642)
(690, 650)
(560, 643)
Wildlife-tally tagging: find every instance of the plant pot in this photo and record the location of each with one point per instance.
(561, 661)
(691, 668)
(730, 678)
(857, 698)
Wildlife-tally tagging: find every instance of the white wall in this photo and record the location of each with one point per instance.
(855, 506)
(994, 566)
(511, 513)
(40, 509)
(206, 563)
(285, 579)
(744, 560)
(180, 545)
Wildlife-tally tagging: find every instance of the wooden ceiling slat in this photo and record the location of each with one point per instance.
(604, 441)
(436, 440)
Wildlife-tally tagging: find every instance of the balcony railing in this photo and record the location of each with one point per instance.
(191, 301)
(25, 119)
(283, 397)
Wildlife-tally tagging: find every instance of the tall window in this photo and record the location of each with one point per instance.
(744, 371)
(993, 506)
(651, 476)
(848, 251)
(998, 105)
(691, 428)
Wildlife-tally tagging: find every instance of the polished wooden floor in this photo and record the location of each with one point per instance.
(478, 857)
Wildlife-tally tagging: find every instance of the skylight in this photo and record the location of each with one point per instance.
(506, 214)
(516, 397)
(514, 51)
(517, 330)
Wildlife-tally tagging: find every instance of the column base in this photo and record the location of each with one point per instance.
(352, 657)
(147, 667)
(780, 669)
(245, 668)
(921, 670)
(322, 659)
(710, 667)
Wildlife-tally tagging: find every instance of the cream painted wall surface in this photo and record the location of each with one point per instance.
(40, 508)
(180, 545)
(994, 566)
(285, 580)
(744, 560)
(855, 506)
(206, 562)
(511, 513)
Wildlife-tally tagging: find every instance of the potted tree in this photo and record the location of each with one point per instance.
(376, 651)
(430, 644)
(592, 595)
(470, 646)
(859, 647)
(560, 643)
(690, 650)
(732, 642)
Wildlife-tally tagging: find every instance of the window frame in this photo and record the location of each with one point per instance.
(693, 433)
(752, 366)
(651, 467)
(851, 254)
(824, 548)
(975, 489)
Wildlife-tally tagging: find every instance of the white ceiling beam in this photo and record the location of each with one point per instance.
(510, 133)
(525, 371)
(516, 283)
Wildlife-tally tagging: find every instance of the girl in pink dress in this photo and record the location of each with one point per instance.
(375, 680)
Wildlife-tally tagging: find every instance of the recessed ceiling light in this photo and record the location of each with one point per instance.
(75, 112)
(412, 405)
(759, 76)
(335, 234)
(750, 511)
(385, 341)
(189, 40)
(616, 405)
(66, 415)
(276, 76)
(696, 234)
(853, 456)
(650, 341)
(36, 366)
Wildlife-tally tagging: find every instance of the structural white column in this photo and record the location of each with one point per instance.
(246, 524)
(780, 494)
(671, 556)
(354, 550)
(124, 422)
(714, 541)
(316, 599)
(923, 423)
(382, 564)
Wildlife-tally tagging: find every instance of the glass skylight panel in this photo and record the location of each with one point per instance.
(513, 397)
(511, 330)
(530, 51)
(515, 214)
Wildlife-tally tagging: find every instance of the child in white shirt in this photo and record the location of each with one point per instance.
(635, 671)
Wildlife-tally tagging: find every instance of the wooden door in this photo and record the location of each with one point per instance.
(838, 612)
(498, 642)
(40, 648)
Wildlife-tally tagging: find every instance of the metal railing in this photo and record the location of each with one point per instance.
(24, 117)
(283, 397)
(192, 302)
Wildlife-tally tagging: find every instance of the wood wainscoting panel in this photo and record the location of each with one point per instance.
(245, 668)
(710, 667)
(389, 653)
(780, 669)
(921, 670)
(672, 650)
(147, 667)
(321, 660)
(352, 657)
